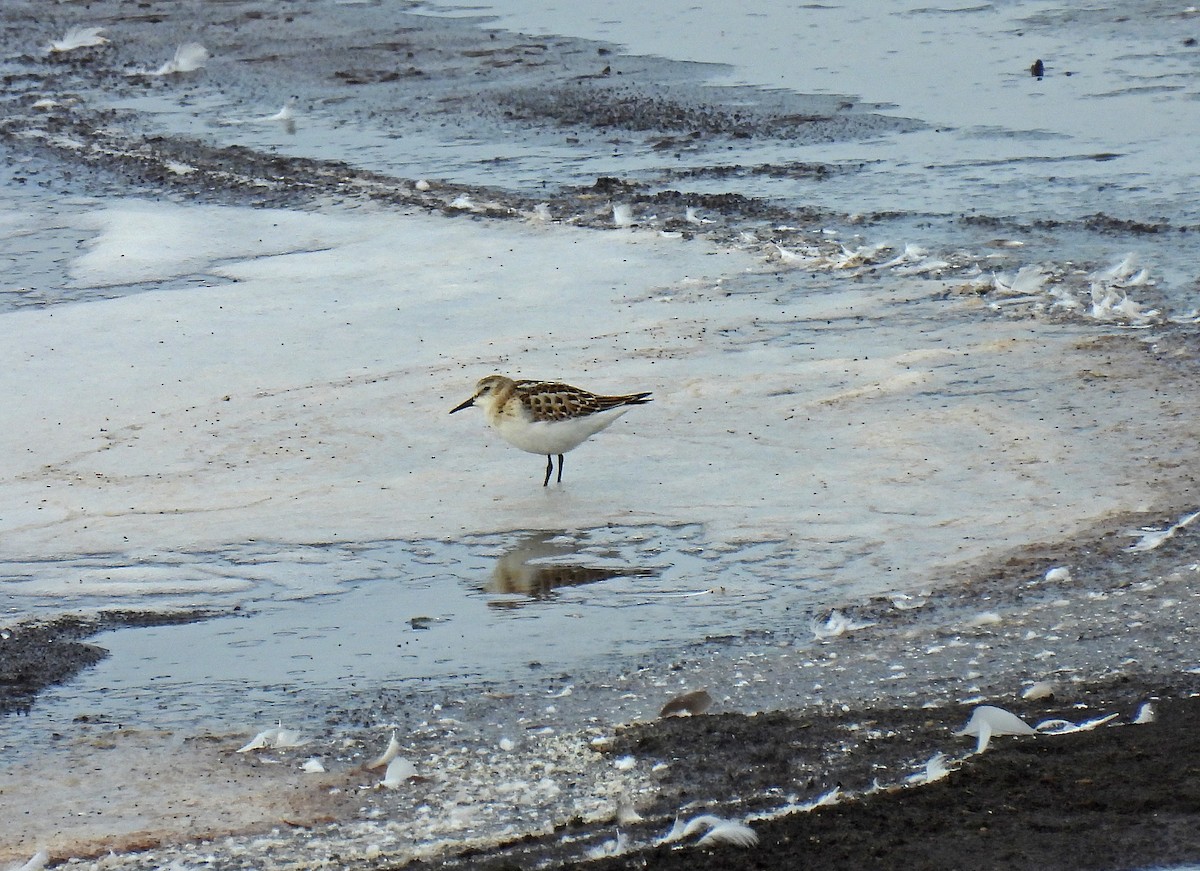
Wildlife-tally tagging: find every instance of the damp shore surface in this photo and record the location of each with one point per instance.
(822, 749)
(923, 437)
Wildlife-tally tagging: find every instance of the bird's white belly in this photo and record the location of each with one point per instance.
(554, 436)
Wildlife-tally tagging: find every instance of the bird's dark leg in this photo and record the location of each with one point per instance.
(560, 468)
(549, 469)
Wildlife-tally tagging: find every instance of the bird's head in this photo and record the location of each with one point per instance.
(487, 392)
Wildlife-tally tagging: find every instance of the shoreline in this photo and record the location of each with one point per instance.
(891, 696)
(839, 689)
(1112, 797)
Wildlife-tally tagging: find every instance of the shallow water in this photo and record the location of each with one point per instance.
(1119, 84)
(1108, 130)
(494, 609)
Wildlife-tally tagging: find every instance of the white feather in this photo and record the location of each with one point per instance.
(1145, 714)
(615, 847)
(189, 57)
(276, 738)
(1066, 727)
(988, 720)
(626, 813)
(793, 806)
(623, 215)
(1028, 280)
(289, 738)
(38, 862)
(837, 624)
(390, 753)
(1053, 726)
(1041, 690)
(852, 258)
(398, 771)
(935, 769)
(809, 256)
(720, 831)
(1112, 303)
(541, 213)
(833, 796)
(550, 437)
(1088, 725)
(78, 37)
(911, 254)
(1154, 537)
(905, 602)
(286, 117)
(675, 834)
(730, 832)
(261, 740)
(700, 823)
(286, 113)
(1119, 271)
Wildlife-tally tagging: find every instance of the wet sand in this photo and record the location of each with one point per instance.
(868, 705)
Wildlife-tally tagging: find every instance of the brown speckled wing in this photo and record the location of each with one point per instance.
(553, 401)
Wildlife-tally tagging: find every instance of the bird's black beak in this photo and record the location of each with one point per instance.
(463, 405)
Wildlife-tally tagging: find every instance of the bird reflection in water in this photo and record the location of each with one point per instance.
(519, 572)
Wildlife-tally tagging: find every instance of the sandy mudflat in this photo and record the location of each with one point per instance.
(997, 443)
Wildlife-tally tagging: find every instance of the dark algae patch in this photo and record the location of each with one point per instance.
(1118, 796)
